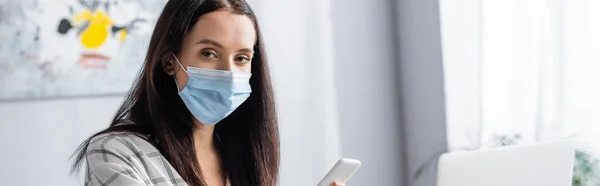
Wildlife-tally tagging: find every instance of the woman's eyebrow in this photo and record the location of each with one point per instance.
(246, 50)
(217, 44)
(210, 42)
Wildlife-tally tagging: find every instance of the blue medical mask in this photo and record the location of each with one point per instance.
(212, 95)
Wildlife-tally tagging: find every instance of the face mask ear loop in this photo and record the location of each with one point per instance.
(178, 62)
(177, 84)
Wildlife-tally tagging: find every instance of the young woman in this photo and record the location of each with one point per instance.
(201, 111)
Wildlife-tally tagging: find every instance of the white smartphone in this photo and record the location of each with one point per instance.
(341, 172)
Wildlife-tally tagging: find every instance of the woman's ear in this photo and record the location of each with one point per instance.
(168, 64)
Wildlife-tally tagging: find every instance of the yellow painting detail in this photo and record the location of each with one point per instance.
(96, 32)
(122, 35)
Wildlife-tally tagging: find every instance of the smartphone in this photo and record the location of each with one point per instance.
(341, 172)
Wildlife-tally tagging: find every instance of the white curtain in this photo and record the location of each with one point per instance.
(299, 43)
(524, 70)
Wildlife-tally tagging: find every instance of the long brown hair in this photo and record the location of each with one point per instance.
(247, 140)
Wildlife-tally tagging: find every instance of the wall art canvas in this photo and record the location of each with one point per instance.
(65, 48)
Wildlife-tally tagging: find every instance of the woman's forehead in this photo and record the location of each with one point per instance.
(226, 28)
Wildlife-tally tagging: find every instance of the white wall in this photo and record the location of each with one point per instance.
(367, 89)
(390, 88)
(421, 85)
(37, 137)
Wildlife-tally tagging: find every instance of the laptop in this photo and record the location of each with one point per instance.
(546, 164)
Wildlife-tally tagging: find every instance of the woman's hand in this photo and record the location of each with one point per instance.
(337, 184)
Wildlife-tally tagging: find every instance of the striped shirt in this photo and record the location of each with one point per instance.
(126, 159)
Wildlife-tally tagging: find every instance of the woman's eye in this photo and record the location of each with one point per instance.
(208, 54)
(242, 59)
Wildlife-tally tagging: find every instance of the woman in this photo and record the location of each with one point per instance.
(183, 121)
(201, 111)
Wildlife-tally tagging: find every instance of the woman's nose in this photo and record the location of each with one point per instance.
(227, 65)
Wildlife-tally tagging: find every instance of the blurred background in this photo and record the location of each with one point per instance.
(393, 83)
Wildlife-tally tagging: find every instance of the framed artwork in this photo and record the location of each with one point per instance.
(66, 48)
